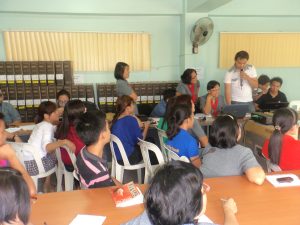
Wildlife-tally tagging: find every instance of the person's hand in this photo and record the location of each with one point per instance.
(70, 145)
(229, 205)
(243, 75)
(146, 124)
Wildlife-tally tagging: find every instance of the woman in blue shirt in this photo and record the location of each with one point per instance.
(182, 142)
(128, 128)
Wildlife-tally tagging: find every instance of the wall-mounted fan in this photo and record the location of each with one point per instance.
(201, 32)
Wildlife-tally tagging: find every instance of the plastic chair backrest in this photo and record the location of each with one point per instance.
(27, 152)
(162, 136)
(174, 156)
(115, 139)
(146, 148)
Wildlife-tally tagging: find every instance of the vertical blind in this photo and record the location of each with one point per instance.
(89, 51)
(265, 49)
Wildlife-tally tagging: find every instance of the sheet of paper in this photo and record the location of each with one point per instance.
(88, 219)
(273, 180)
(204, 219)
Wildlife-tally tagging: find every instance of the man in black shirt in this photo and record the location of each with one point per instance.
(272, 96)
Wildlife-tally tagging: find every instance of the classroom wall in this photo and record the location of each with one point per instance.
(160, 18)
(169, 24)
(253, 16)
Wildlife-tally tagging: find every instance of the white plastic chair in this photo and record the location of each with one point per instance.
(295, 104)
(146, 148)
(174, 156)
(27, 152)
(61, 170)
(117, 170)
(162, 135)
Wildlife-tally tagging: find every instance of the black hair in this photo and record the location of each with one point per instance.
(46, 107)
(176, 118)
(168, 93)
(14, 197)
(211, 84)
(186, 77)
(63, 92)
(283, 120)
(89, 126)
(276, 79)
(174, 195)
(119, 70)
(73, 110)
(176, 100)
(224, 132)
(121, 104)
(241, 55)
(1, 116)
(263, 79)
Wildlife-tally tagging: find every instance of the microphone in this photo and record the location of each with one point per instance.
(241, 80)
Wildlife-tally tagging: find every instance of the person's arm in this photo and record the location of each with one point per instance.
(256, 107)
(134, 96)
(253, 82)
(203, 141)
(59, 143)
(230, 209)
(207, 106)
(228, 93)
(7, 153)
(256, 175)
(196, 161)
(146, 128)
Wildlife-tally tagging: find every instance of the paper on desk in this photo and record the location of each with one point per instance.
(88, 219)
(204, 219)
(273, 180)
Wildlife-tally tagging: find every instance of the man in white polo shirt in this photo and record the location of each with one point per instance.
(239, 81)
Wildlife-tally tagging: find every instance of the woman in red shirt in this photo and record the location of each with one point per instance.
(73, 109)
(283, 148)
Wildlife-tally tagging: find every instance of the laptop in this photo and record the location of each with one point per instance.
(236, 110)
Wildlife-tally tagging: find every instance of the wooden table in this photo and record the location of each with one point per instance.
(257, 205)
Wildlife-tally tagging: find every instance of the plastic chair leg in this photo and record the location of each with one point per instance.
(69, 181)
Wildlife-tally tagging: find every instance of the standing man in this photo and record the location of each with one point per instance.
(239, 81)
(11, 115)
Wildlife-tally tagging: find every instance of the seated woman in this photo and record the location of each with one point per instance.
(227, 158)
(160, 109)
(212, 103)
(128, 128)
(66, 130)
(283, 147)
(164, 206)
(14, 198)
(181, 142)
(196, 130)
(189, 85)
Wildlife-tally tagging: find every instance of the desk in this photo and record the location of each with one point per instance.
(257, 205)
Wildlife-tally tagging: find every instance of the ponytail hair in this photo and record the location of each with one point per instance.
(176, 118)
(283, 120)
(121, 104)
